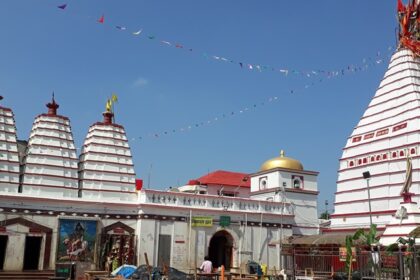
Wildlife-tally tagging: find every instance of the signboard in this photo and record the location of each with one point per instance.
(224, 221)
(343, 254)
(65, 270)
(202, 221)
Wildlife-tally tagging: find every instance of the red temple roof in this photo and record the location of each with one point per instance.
(225, 178)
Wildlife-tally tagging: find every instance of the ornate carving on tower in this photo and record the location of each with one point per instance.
(106, 166)
(9, 156)
(50, 164)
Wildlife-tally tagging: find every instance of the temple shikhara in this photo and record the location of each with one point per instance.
(58, 205)
(378, 176)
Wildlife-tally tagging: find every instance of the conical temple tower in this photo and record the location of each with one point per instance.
(50, 164)
(374, 158)
(106, 166)
(9, 156)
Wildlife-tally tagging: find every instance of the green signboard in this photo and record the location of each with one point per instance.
(224, 221)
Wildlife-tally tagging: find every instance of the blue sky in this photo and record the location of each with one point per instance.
(44, 49)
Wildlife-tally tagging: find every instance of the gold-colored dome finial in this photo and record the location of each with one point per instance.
(282, 162)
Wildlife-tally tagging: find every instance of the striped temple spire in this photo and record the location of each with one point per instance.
(50, 165)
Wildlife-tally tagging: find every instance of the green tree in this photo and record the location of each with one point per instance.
(325, 215)
(364, 238)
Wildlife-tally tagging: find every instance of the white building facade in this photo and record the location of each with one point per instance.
(57, 206)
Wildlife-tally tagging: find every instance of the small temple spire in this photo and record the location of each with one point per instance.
(52, 106)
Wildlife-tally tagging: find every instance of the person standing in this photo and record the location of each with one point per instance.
(206, 266)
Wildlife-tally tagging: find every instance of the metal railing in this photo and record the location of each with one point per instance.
(326, 264)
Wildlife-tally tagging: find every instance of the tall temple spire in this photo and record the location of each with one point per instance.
(385, 140)
(52, 106)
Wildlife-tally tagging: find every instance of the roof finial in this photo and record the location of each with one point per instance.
(52, 106)
(281, 153)
(108, 114)
(109, 109)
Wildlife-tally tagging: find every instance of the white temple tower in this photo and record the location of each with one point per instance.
(106, 166)
(387, 134)
(9, 157)
(50, 163)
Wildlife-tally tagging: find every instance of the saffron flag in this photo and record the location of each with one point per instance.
(62, 6)
(114, 98)
(101, 19)
(408, 176)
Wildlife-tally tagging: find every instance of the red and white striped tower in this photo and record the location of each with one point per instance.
(50, 164)
(106, 166)
(9, 157)
(387, 133)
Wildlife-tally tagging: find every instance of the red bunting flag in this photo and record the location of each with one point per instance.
(101, 19)
(139, 184)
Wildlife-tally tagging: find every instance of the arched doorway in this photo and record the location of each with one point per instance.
(117, 246)
(220, 249)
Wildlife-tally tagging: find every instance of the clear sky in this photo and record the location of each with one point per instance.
(161, 88)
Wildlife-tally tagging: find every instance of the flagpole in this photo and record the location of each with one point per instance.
(113, 99)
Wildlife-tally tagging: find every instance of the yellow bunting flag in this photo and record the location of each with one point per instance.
(114, 98)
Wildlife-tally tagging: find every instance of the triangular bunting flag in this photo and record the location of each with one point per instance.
(101, 19)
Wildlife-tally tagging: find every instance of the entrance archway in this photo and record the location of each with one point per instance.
(117, 245)
(220, 249)
(33, 244)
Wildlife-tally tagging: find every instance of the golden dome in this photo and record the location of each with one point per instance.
(282, 162)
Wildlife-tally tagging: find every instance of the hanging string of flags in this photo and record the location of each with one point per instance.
(379, 58)
(208, 122)
(224, 116)
(318, 75)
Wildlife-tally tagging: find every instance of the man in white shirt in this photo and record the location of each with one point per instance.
(206, 266)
